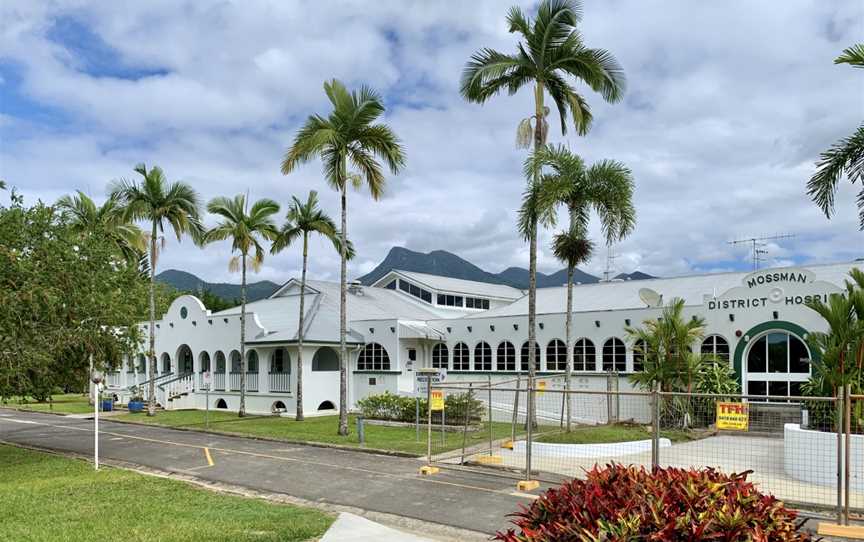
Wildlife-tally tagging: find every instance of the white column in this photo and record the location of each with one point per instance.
(264, 361)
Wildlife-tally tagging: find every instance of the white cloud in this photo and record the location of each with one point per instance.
(728, 106)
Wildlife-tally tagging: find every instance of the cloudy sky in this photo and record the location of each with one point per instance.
(727, 107)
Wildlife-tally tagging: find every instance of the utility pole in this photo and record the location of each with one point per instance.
(758, 245)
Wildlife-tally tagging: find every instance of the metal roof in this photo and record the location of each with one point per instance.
(459, 286)
(616, 295)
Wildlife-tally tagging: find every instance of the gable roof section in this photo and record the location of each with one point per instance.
(458, 286)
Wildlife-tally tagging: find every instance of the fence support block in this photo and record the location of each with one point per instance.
(427, 470)
(527, 485)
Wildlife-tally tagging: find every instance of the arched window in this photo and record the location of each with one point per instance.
(325, 359)
(221, 403)
(373, 357)
(777, 364)
(280, 362)
(184, 360)
(716, 347)
(640, 349)
(482, 357)
(235, 361)
(614, 355)
(506, 359)
(142, 363)
(556, 356)
(252, 361)
(204, 362)
(439, 356)
(461, 357)
(220, 362)
(584, 356)
(166, 363)
(524, 356)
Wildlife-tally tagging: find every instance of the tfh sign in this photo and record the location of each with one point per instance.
(733, 416)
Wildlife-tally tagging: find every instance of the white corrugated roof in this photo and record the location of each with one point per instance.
(625, 294)
(462, 286)
(279, 315)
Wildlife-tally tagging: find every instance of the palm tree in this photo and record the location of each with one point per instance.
(86, 217)
(550, 53)
(347, 135)
(303, 219)
(160, 202)
(606, 188)
(846, 156)
(245, 227)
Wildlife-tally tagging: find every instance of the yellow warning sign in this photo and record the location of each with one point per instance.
(437, 400)
(733, 416)
(541, 387)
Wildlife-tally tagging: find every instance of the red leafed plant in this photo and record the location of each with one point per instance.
(618, 503)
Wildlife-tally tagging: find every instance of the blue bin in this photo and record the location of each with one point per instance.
(136, 406)
(107, 405)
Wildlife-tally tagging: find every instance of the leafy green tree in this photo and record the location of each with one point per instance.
(302, 220)
(348, 134)
(246, 228)
(606, 188)
(845, 157)
(67, 299)
(666, 345)
(86, 217)
(160, 202)
(550, 54)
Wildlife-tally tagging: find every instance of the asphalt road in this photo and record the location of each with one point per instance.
(473, 501)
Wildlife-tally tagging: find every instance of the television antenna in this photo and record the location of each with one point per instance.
(610, 263)
(758, 245)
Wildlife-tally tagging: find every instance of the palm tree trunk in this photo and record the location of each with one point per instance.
(568, 324)
(151, 386)
(242, 411)
(299, 408)
(532, 259)
(343, 302)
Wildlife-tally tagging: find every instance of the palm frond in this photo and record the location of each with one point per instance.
(845, 157)
(853, 56)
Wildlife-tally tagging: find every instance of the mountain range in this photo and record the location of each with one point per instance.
(437, 262)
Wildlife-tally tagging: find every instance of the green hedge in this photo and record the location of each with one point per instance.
(388, 406)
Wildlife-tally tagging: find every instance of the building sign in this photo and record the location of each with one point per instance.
(437, 400)
(762, 289)
(733, 416)
(425, 375)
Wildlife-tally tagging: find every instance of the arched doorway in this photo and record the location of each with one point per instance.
(166, 363)
(184, 360)
(776, 363)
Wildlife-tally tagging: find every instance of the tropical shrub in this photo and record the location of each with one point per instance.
(392, 407)
(715, 378)
(618, 503)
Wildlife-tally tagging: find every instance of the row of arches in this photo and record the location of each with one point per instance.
(613, 355)
(324, 359)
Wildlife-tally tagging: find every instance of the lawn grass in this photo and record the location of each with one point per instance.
(611, 433)
(69, 403)
(45, 497)
(321, 429)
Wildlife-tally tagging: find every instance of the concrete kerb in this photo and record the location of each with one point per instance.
(435, 531)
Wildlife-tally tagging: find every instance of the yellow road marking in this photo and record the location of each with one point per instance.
(207, 455)
(287, 459)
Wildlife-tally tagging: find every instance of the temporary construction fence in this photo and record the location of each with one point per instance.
(807, 451)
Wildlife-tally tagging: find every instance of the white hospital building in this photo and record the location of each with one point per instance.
(757, 321)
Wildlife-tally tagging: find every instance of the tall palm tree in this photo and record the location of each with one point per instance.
(87, 217)
(159, 202)
(605, 188)
(348, 134)
(245, 227)
(550, 53)
(846, 156)
(304, 219)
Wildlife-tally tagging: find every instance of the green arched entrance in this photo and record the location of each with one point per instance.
(773, 359)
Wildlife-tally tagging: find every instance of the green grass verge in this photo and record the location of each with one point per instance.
(604, 434)
(70, 403)
(320, 429)
(51, 498)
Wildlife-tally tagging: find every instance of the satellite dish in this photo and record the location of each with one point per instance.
(650, 297)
